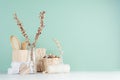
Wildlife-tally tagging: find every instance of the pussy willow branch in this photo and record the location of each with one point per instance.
(21, 28)
(40, 28)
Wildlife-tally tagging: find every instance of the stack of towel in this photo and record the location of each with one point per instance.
(14, 68)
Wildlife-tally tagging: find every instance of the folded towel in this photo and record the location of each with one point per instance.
(58, 68)
(13, 70)
(15, 67)
(15, 64)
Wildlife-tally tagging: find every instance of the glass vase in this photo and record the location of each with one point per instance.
(32, 58)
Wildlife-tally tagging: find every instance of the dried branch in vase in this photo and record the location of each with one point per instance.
(31, 46)
(21, 28)
(40, 27)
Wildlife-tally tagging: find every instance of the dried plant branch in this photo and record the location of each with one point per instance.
(21, 28)
(58, 44)
(40, 27)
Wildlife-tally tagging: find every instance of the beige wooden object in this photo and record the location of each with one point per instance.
(24, 45)
(19, 55)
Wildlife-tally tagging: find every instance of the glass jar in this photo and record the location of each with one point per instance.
(32, 58)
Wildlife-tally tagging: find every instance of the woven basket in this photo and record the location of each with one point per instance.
(43, 63)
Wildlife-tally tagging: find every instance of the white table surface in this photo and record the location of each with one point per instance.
(65, 76)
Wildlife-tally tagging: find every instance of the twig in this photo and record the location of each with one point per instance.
(40, 27)
(21, 28)
(58, 46)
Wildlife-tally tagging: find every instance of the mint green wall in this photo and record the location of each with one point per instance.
(89, 30)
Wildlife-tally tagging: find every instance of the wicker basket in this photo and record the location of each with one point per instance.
(43, 63)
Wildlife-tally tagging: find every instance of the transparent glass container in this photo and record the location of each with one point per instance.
(32, 58)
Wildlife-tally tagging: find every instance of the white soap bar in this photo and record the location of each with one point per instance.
(58, 68)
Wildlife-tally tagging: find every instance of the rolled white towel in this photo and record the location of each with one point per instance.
(58, 68)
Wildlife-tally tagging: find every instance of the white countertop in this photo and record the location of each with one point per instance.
(65, 76)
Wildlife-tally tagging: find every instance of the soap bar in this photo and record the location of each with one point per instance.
(58, 68)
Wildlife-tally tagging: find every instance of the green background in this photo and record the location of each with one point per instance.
(89, 31)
